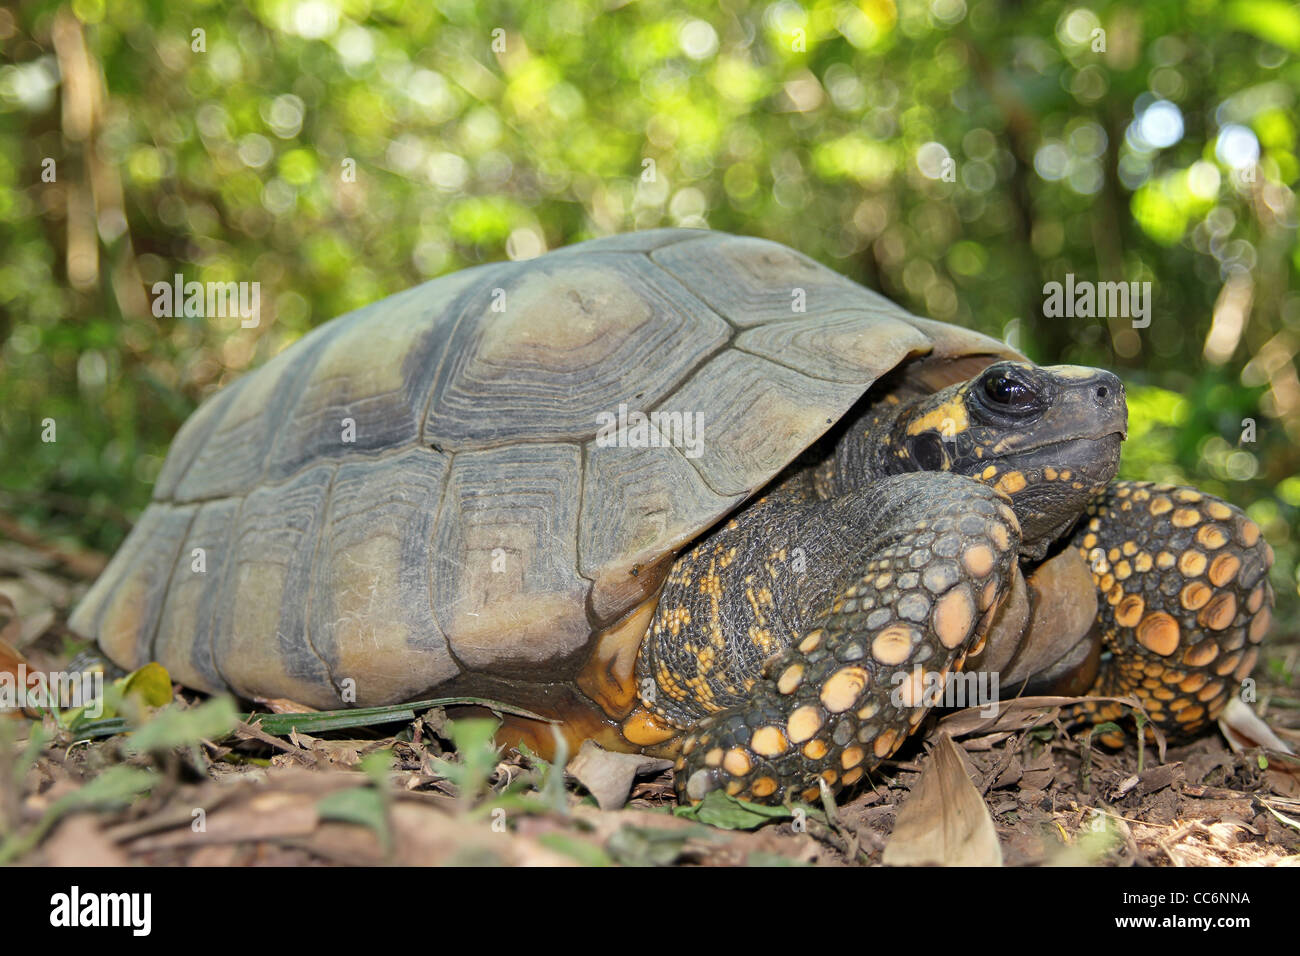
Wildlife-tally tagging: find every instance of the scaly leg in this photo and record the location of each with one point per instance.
(917, 566)
(1184, 598)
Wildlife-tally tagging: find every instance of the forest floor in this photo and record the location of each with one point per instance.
(170, 777)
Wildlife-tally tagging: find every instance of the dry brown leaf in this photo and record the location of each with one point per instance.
(78, 841)
(1015, 714)
(944, 821)
(266, 816)
(608, 775)
(1244, 729)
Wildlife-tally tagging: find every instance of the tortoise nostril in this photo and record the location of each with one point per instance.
(1102, 391)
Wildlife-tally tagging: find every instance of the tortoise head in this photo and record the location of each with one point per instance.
(1048, 437)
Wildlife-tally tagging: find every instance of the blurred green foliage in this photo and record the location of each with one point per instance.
(955, 154)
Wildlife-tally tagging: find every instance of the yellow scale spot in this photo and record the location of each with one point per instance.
(852, 777)
(1123, 570)
(768, 742)
(1192, 683)
(1201, 654)
(1142, 563)
(815, 749)
(1089, 541)
(1189, 714)
(851, 757)
(954, 616)
(790, 679)
(1249, 533)
(1158, 633)
(988, 472)
(1259, 626)
(804, 723)
(1219, 613)
(979, 560)
(736, 762)
(1049, 473)
(812, 641)
(1247, 664)
(1000, 537)
(1194, 595)
(1192, 564)
(1160, 505)
(1223, 569)
(1165, 560)
(1217, 510)
(763, 787)
(842, 690)
(884, 744)
(1228, 664)
(1129, 611)
(714, 757)
(892, 645)
(1211, 537)
(1209, 690)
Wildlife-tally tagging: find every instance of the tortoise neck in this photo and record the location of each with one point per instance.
(866, 452)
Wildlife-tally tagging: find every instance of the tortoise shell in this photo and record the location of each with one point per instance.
(419, 494)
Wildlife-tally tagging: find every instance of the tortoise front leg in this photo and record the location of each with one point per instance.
(1184, 600)
(932, 556)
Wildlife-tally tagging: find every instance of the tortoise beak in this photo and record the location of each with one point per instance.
(1092, 398)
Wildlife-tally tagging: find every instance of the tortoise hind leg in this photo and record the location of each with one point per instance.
(1184, 600)
(932, 558)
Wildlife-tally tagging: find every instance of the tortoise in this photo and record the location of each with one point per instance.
(688, 494)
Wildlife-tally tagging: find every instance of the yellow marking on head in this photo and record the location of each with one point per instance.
(946, 419)
(1010, 483)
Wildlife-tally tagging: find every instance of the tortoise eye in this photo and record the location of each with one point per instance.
(1004, 390)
